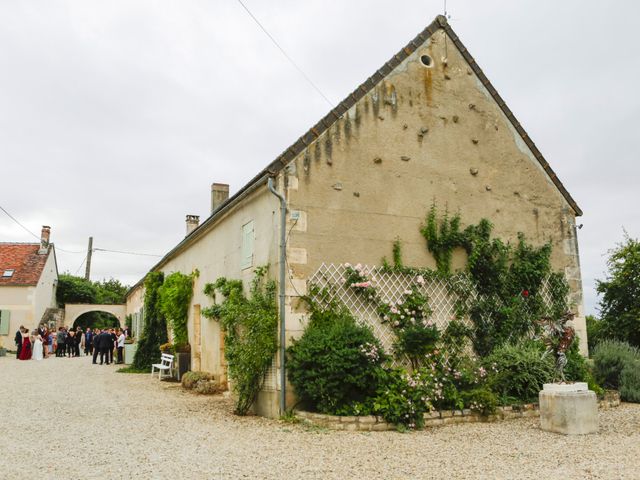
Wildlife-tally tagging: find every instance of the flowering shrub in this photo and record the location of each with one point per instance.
(357, 278)
(416, 334)
(480, 400)
(403, 398)
(336, 366)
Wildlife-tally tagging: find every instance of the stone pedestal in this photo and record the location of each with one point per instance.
(569, 408)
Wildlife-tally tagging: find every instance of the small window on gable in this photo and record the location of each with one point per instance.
(8, 273)
(246, 251)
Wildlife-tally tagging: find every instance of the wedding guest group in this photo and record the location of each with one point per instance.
(70, 342)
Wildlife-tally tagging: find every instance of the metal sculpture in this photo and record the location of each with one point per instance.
(558, 335)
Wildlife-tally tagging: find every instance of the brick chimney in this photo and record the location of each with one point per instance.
(44, 240)
(192, 223)
(219, 195)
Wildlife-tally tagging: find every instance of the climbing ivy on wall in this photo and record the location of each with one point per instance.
(506, 279)
(250, 332)
(174, 299)
(154, 333)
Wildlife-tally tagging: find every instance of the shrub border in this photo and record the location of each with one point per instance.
(372, 423)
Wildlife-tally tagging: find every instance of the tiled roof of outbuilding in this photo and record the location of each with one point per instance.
(25, 262)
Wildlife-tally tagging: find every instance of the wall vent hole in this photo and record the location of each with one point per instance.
(426, 60)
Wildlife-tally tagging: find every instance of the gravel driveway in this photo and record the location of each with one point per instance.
(63, 418)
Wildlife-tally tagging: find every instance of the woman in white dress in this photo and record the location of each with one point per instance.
(37, 347)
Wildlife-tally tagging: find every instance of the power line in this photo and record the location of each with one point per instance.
(126, 253)
(306, 77)
(14, 219)
(82, 263)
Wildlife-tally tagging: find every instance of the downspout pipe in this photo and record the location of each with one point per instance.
(281, 290)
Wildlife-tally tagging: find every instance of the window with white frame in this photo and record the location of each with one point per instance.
(246, 250)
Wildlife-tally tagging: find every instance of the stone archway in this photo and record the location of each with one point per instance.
(75, 310)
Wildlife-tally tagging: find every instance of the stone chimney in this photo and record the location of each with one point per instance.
(192, 223)
(219, 195)
(44, 240)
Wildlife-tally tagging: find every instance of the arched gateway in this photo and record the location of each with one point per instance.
(74, 310)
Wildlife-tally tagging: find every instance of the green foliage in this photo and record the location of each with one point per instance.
(128, 321)
(630, 382)
(480, 400)
(174, 299)
(132, 369)
(442, 238)
(336, 364)
(404, 398)
(518, 372)
(72, 289)
(110, 292)
(397, 254)
(610, 358)
(620, 304)
(577, 369)
(416, 335)
(250, 330)
(154, 333)
(594, 332)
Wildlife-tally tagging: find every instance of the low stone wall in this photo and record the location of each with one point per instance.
(434, 419)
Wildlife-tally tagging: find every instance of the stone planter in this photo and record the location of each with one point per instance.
(129, 352)
(3, 352)
(182, 364)
(571, 409)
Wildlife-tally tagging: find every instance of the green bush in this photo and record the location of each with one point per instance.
(610, 358)
(154, 332)
(630, 382)
(336, 363)
(518, 372)
(191, 379)
(577, 369)
(404, 398)
(480, 400)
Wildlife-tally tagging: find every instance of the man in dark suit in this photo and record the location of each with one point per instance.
(114, 339)
(18, 340)
(95, 340)
(105, 343)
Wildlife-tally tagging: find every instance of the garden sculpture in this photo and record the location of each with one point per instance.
(558, 335)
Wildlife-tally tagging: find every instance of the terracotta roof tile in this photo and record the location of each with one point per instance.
(24, 260)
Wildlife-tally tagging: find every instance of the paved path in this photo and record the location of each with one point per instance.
(67, 419)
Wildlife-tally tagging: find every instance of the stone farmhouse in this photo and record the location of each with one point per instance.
(427, 127)
(28, 281)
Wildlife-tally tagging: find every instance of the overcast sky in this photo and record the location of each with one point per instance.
(115, 117)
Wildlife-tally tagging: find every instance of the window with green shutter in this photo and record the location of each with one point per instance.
(246, 252)
(5, 320)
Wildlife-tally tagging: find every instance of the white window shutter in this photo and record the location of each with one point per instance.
(5, 321)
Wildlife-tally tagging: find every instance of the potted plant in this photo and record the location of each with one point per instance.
(182, 352)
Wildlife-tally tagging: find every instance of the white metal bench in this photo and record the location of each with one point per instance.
(165, 365)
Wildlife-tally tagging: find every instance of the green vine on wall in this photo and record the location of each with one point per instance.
(250, 330)
(154, 333)
(442, 238)
(174, 300)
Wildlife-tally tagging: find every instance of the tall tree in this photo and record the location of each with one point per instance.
(620, 304)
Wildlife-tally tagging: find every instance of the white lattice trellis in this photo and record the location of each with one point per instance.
(390, 286)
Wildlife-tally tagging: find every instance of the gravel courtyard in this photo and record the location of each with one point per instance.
(66, 418)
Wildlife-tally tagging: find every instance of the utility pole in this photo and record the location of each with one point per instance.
(87, 272)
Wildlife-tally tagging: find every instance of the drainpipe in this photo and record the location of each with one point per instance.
(281, 289)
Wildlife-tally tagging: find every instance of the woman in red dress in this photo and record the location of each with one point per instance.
(25, 353)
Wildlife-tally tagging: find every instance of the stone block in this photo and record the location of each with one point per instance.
(571, 409)
(381, 427)
(367, 420)
(434, 422)
(351, 427)
(446, 414)
(348, 419)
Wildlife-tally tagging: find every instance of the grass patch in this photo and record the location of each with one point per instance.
(132, 369)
